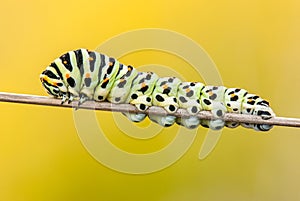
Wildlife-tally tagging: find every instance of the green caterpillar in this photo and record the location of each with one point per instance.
(89, 75)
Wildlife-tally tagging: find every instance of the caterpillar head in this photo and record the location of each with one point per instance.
(52, 83)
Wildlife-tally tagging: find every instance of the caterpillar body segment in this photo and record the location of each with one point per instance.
(140, 94)
(141, 90)
(231, 97)
(88, 75)
(164, 95)
(188, 96)
(123, 81)
(211, 99)
(107, 78)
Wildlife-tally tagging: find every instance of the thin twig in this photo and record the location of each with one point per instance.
(106, 106)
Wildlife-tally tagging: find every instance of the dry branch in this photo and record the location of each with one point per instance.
(106, 106)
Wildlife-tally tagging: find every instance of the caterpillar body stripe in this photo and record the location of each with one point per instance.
(88, 75)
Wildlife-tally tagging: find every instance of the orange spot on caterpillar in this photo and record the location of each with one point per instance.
(251, 101)
(129, 68)
(187, 90)
(110, 63)
(87, 75)
(67, 75)
(105, 80)
(45, 79)
(91, 58)
(65, 62)
(143, 84)
(165, 86)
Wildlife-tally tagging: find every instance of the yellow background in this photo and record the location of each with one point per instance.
(255, 45)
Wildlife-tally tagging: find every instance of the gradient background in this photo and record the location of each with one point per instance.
(255, 45)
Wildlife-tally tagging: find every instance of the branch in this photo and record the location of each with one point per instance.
(106, 106)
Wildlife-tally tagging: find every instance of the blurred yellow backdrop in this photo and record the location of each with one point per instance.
(255, 45)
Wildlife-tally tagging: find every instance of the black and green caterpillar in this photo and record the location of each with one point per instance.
(88, 75)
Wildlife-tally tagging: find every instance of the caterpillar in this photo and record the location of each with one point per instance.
(88, 75)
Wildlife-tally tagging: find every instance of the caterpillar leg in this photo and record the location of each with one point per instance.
(135, 117)
(165, 121)
(190, 122)
(188, 97)
(71, 98)
(212, 99)
(140, 94)
(164, 95)
(82, 99)
(65, 97)
(254, 105)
